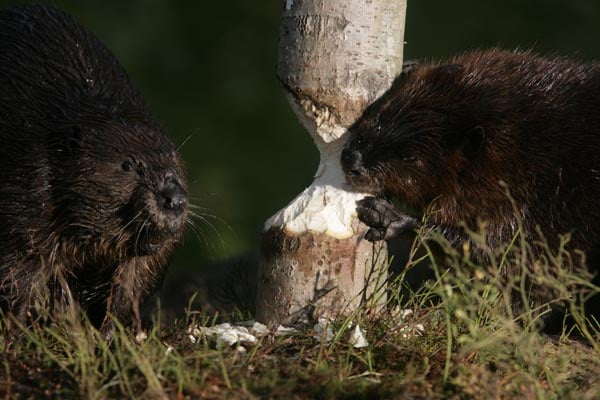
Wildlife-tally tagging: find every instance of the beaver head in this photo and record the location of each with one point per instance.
(118, 188)
(418, 139)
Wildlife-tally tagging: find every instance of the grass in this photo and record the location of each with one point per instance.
(481, 339)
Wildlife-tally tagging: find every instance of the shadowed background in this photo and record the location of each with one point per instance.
(207, 69)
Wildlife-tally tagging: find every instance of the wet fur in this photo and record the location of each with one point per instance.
(460, 135)
(78, 227)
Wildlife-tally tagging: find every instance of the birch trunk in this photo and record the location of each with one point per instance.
(335, 58)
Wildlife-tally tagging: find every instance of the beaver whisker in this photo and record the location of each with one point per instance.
(121, 235)
(200, 236)
(200, 198)
(186, 139)
(130, 222)
(139, 234)
(197, 207)
(215, 217)
(201, 218)
(215, 230)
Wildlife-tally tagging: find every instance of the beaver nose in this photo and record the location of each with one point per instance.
(172, 197)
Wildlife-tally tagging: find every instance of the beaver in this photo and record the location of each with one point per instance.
(93, 198)
(511, 138)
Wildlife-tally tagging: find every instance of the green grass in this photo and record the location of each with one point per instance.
(476, 344)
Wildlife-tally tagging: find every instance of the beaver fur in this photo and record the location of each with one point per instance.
(92, 191)
(460, 135)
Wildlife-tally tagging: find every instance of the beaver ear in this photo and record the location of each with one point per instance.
(473, 142)
(409, 66)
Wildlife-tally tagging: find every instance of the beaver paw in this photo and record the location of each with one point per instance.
(385, 221)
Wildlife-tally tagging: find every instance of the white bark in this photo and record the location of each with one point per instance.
(335, 58)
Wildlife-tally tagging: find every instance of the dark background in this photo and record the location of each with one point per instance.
(207, 69)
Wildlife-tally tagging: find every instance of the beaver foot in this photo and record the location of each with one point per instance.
(385, 221)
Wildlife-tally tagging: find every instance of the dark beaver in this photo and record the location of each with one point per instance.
(92, 193)
(461, 134)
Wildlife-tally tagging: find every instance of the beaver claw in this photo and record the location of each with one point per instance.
(385, 221)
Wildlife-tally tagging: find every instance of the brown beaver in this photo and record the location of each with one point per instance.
(92, 192)
(461, 134)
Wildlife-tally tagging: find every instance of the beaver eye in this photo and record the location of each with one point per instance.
(127, 166)
(408, 158)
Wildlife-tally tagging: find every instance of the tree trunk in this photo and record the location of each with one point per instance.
(335, 58)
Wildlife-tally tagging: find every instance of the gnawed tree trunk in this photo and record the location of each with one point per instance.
(335, 58)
